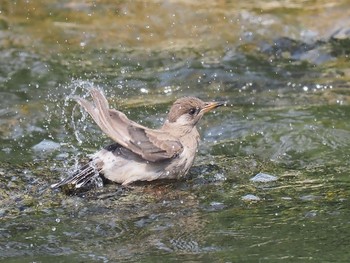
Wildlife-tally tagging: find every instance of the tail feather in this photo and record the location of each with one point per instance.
(81, 177)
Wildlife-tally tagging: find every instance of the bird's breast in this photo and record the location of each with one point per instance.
(187, 156)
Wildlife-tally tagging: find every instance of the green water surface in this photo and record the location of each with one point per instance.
(283, 68)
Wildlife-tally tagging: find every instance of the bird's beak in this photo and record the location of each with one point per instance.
(211, 105)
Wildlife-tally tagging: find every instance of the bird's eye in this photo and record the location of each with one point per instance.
(192, 111)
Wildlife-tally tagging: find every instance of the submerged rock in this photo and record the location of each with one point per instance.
(250, 197)
(46, 146)
(263, 178)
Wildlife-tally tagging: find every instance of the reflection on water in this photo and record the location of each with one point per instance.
(286, 116)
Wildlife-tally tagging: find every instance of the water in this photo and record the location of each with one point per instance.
(283, 69)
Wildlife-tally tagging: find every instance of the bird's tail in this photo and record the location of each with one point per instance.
(86, 175)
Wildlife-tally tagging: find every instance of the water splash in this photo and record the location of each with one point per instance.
(67, 122)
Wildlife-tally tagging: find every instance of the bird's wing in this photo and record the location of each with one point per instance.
(152, 145)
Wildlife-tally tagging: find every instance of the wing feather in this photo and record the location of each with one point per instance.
(152, 145)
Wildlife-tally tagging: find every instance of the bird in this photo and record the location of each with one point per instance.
(139, 153)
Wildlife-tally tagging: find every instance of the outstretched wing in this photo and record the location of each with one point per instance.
(152, 145)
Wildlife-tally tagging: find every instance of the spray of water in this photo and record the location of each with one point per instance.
(70, 122)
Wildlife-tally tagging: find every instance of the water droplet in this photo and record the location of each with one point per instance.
(167, 89)
(144, 90)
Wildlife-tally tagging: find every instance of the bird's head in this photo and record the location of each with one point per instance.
(188, 111)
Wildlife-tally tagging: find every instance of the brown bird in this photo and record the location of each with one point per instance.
(140, 153)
